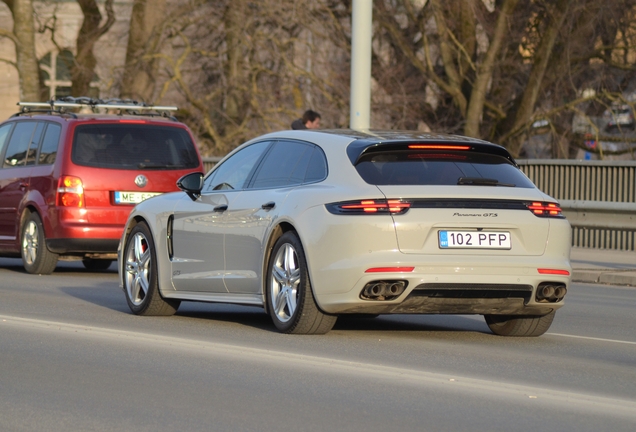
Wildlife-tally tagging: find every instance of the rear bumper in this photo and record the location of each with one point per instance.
(77, 236)
(414, 304)
(467, 288)
(82, 245)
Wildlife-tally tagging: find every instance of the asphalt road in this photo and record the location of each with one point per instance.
(72, 357)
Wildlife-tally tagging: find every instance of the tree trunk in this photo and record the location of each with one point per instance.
(235, 70)
(26, 59)
(140, 71)
(83, 69)
(485, 71)
(446, 51)
(541, 57)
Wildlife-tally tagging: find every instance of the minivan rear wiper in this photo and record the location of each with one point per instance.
(480, 181)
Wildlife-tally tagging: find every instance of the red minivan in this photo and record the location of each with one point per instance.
(68, 181)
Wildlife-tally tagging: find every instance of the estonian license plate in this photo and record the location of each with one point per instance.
(133, 197)
(474, 239)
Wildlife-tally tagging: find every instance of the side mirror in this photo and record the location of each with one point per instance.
(191, 184)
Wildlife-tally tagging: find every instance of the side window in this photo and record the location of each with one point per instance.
(236, 171)
(317, 169)
(49, 144)
(285, 165)
(19, 144)
(4, 133)
(35, 143)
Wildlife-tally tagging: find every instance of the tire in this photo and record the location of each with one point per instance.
(36, 258)
(290, 298)
(140, 277)
(519, 325)
(96, 264)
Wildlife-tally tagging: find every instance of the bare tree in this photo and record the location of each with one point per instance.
(490, 69)
(23, 37)
(483, 68)
(141, 68)
(83, 69)
(243, 67)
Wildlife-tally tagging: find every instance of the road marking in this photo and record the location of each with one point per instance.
(550, 398)
(592, 338)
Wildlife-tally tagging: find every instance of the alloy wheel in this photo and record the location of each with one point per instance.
(285, 279)
(30, 242)
(137, 268)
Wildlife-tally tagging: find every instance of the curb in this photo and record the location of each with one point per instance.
(606, 277)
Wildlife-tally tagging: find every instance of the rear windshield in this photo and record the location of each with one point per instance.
(133, 146)
(440, 168)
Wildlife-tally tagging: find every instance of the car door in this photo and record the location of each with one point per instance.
(42, 181)
(199, 226)
(251, 213)
(14, 176)
(5, 133)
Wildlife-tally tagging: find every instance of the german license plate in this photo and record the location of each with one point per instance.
(474, 239)
(133, 197)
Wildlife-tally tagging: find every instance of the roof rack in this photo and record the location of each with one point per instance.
(125, 106)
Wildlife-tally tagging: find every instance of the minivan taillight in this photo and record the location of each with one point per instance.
(70, 192)
(378, 206)
(545, 209)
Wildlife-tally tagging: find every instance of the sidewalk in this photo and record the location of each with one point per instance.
(603, 266)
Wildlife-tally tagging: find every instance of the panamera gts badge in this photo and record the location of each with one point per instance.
(476, 214)
(141, 180)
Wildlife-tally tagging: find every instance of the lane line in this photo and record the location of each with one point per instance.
(521, 393)
(592, 338)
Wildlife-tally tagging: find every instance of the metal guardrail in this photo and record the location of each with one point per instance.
(601, 224)
(597, 197)
(600, 214)
(583, 180)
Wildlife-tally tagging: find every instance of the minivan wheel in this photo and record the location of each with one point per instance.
(140, 275)
(36, 258)
(96, 264)
(291, 302)
(519, 325)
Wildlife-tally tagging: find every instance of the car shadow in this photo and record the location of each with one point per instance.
(425, 323)
(105, 294)
(15, 265)
(257, 318)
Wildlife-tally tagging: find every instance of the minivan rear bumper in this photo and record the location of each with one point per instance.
(82, 246)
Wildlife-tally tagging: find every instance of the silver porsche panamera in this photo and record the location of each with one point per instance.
(310, 225)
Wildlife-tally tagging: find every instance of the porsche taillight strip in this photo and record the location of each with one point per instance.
(374, 206)
(469, 203)
(401, 206)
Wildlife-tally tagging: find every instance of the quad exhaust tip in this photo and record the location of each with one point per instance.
(383, 290)
(549, 292)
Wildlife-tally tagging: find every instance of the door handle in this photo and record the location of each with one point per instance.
(269, 205)
(220, 208)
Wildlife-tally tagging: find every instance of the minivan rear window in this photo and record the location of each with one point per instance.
(440, 168)
(133, 146)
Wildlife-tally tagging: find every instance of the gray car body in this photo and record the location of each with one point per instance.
(223, 257)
